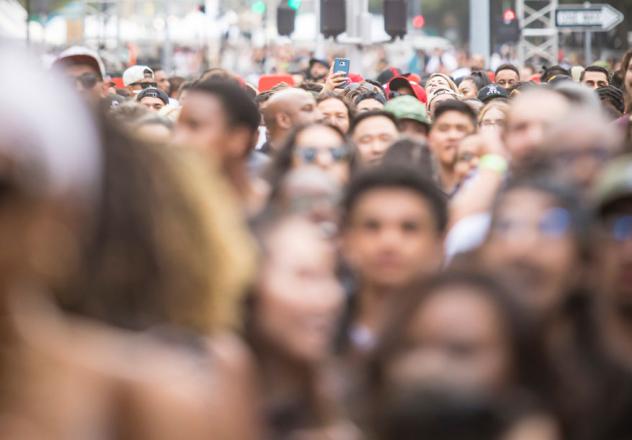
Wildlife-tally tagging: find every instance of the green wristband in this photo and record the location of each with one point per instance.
(494, 162)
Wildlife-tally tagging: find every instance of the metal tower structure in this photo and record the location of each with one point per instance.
(539, 38)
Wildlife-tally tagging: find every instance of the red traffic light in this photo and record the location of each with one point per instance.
(419, 21)
(509, 15)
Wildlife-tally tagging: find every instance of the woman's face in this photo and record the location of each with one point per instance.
(456, 335)
(323, 147)
(335, 113)
(468, 89)
(493, 121)
(435, 83)
(467, 156)
(300, 299)
(367, 105)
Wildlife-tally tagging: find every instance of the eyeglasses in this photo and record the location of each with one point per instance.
(309, 155)
(492, 123)
(87, 80)
(145, 85)
(619, 228)
(553, 224)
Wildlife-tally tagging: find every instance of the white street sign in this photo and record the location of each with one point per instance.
(595, 17)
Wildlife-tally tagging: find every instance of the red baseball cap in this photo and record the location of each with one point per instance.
(355, 77)
(400, 81)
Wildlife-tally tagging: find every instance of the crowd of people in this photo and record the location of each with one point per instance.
(317, 256)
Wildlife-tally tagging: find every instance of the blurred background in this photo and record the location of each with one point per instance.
(187, 36)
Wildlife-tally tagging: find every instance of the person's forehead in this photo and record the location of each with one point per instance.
(203, 105)
(303, 97)
(537, 200)
(492, 113)
(507, 72)
(594, 74)
(333, 104)
(538, 105)
(151, 100)
(403, 197)
(317, 136)
(375, 124)
(452, 116)
(76, 69)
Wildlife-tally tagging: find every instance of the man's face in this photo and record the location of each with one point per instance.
(147, 81)
(373, 136)
(302, 109)
(335, 113)
(446, 134)
(595, 80)
(318, 72)
(162, 81)
(529, 118)
(152, 104)
(531, 240)
(202, 125)
(415, 130)
(507, 78)
(87, 81)
(391, 238)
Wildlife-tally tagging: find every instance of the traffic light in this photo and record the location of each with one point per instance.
(294, 4)
(419, 21)
(333, 17)
(508, 28)
(258, 7)
(395, 17)
(285, 20)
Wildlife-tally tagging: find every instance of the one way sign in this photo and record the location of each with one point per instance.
(594, 17)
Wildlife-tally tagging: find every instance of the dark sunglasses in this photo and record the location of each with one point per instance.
(146, 85)
(554, 223)
(619, 228)
(87, 80)
(309, 155)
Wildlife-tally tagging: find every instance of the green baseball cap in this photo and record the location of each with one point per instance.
(408, 107)
(614, 183)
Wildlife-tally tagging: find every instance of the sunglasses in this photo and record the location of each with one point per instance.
(309, 155)
(87, 80)
(619, 228)
(145, 85)
(553, 224)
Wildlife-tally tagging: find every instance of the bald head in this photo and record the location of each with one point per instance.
(579, 145)
(287, 109)
(531, 114)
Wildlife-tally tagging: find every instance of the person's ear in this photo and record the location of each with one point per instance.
(283, 121)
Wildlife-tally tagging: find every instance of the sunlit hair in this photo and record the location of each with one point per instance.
(162, 251)
(501, 106)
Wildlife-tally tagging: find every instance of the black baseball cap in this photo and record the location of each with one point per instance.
(313, 61)
(492, 91)
(154, 93)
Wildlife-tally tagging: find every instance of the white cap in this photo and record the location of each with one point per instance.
(136, 73)
(80, 53)
(57, 137)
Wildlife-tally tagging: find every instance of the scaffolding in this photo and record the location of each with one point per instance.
(539, 38)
